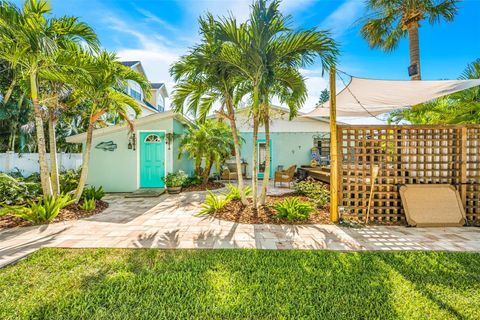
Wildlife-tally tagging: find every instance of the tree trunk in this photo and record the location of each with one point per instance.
(42, 159)
(52, 139)
(85, 162)
(236, 143)
(9, 92)
(266, 174)
(414, 47)
(255, 162)
(206, 172)
(256, 121)
(198, 166)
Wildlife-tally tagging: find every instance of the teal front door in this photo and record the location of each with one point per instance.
(152, 159)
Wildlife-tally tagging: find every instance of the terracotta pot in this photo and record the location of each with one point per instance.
(174, 190)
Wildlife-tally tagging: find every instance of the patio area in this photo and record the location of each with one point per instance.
(170, 222)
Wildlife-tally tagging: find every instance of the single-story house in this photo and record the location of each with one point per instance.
(291, 140)
(122, 161)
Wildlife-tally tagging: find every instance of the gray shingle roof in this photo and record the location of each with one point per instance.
(157, 85)
(129, 63)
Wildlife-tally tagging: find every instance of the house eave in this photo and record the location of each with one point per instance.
(80, 138)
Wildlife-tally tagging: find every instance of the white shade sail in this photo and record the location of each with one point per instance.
(370, 97)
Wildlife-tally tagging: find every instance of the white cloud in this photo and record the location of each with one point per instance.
(343, 17)
(239, 8)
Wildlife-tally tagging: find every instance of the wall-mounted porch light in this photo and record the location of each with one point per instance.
(169, 139)
(132, 142)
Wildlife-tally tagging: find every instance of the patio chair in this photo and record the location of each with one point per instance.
(285, 176)
(229, 174)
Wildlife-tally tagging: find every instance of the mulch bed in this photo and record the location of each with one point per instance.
(211, 185)
(236, 212)
(71, 212)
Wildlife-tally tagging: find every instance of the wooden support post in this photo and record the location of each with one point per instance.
(333, 148)
(463, 166)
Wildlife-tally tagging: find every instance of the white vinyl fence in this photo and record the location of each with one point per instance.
(27, 163)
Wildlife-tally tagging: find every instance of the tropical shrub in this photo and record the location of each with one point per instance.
(88, 204)
(213, 203)
(175, 179)
(93, 193)
(293, 209)
(316, 191)
(14, 191)
(45, 209)
(210, 140)
(192, 181)
(234, 192)
(69, 180)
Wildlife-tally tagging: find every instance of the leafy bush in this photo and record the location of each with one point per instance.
(293, 209)
(318, 192)
(69, 180)
(93, 193)
(15, 192)
(192, 181)
(213, 203)
(45, 210)
(88, 204)
(175, 179)
(234, 192)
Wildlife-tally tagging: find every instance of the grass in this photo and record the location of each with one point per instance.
(247, 284)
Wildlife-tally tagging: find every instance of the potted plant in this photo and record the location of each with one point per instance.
(174, 181)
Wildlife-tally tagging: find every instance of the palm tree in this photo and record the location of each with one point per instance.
(209, 140)
(29, 40)
(460, 107)
(203, 80)
(389, 21)
(104, 92)
(268, 54)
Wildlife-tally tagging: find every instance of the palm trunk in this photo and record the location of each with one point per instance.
(9, 92)
(41, 149)
(85, 162)
(256, 121)
(53, 153)
(414, 46)
(236, 144)
(206, 172)
(266, 174)
(255, 162)
(198, 166)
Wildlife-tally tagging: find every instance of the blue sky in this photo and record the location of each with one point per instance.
(158, 31)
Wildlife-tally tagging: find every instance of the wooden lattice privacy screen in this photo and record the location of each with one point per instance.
(406, 155)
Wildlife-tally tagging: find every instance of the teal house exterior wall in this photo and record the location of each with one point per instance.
(118, 171)
(288, 148)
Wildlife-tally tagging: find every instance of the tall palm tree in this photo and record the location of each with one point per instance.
(29, 39)
(203, 80)
(268, 54)
(104, 92)
(389, 21)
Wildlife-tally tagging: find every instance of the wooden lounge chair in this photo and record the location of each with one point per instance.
(285, 176)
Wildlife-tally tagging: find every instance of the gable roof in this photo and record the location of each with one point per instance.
(129, 63)
(161, 86)
(80, 138)
(157, 85)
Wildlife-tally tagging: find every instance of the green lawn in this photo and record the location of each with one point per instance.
(228, 284)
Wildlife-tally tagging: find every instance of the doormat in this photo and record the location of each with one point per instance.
(146, 193)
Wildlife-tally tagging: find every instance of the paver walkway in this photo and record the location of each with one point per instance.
(170, 222)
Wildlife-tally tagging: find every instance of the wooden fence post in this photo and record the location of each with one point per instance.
(463, 166)
(333, 148)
